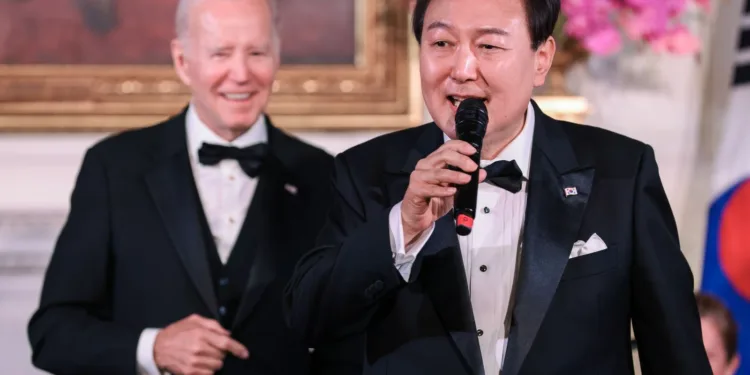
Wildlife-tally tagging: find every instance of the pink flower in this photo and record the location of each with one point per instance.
(673, 7)
(587, 17)
(577, 27)
(705, 4)
(597, 23)
(646, 22)
(678, 41)
(604, 42)
(637, 4)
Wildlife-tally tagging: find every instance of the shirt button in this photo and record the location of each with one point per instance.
(483, 268)
(231, 220)
(231, 177)
(480, 332)
(222, 310)
(486, 210)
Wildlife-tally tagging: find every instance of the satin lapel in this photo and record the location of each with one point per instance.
(172, 188)
(427, 141)
(551, 228)
(398, 168)
(440, 268)
(261, 221)
(267, 221)
(441, 273)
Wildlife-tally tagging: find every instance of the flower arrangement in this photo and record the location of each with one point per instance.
(599, 25)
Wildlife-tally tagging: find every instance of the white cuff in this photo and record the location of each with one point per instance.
(145, 352)
(401, 260)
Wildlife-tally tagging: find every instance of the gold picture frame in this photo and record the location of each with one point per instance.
(381, 90)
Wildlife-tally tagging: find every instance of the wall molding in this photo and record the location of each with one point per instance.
(27, 239)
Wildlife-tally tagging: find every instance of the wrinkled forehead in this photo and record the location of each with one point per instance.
(232, 20)
(216, 15)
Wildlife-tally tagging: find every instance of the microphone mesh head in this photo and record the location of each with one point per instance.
(471, 116)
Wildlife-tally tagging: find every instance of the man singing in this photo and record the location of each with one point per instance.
(574, 237)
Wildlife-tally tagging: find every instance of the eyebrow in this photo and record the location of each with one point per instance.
(493, 30)
(481, 31)
(438, 25)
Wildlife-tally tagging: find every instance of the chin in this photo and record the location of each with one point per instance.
(240, 126)
(241, 121)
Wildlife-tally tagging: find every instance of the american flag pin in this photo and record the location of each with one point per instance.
(571, 191)
(291, 189)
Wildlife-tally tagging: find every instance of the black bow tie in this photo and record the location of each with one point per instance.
(251, 158)
(505, 174)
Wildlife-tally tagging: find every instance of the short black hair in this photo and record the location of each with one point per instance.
(541, 17)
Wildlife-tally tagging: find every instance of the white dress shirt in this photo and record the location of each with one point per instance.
(225, 193)
(489, 252)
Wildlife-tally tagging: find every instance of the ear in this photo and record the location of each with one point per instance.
(543, 57)
(179, 61)
(733, 365)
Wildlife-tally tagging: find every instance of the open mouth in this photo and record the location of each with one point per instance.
(456, 100)
(237, 97)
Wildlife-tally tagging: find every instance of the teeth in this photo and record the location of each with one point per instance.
(237, 96)
(457, 101)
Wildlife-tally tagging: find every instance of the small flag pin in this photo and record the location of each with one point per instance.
(571, 191)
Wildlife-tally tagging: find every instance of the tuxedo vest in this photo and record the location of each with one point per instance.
(229, 279)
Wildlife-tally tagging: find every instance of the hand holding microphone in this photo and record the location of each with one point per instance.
(471, 125)
(451, 173)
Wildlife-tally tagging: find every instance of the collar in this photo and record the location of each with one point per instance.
(198, 133)
(519, 149)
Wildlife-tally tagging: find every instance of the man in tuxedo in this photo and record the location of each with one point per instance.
(573, 239)
(182, 235)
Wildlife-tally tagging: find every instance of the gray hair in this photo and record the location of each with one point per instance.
(182, 18)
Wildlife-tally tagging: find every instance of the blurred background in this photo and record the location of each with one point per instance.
(674, 74)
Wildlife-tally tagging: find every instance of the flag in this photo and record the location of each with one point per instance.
(726, 267)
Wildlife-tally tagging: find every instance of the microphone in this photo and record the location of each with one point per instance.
(471, 125)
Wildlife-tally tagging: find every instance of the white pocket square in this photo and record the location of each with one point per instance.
(291, 189)
(594, 244)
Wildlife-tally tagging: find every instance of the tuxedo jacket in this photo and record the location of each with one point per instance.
(131, 254)
(570, 316)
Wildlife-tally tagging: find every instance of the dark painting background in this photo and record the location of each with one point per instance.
(133, 32)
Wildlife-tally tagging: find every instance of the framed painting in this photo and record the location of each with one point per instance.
(104, 65)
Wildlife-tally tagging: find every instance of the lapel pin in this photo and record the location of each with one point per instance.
(291, 189)
(571, 191)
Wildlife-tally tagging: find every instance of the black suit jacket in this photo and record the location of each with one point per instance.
(131, 254)
(571, 316)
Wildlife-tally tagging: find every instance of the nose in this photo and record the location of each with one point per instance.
(239, 71)
(465, 65)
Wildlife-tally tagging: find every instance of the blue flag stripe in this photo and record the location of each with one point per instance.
(715, 282)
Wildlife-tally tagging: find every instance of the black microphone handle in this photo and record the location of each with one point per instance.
(465, 201)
